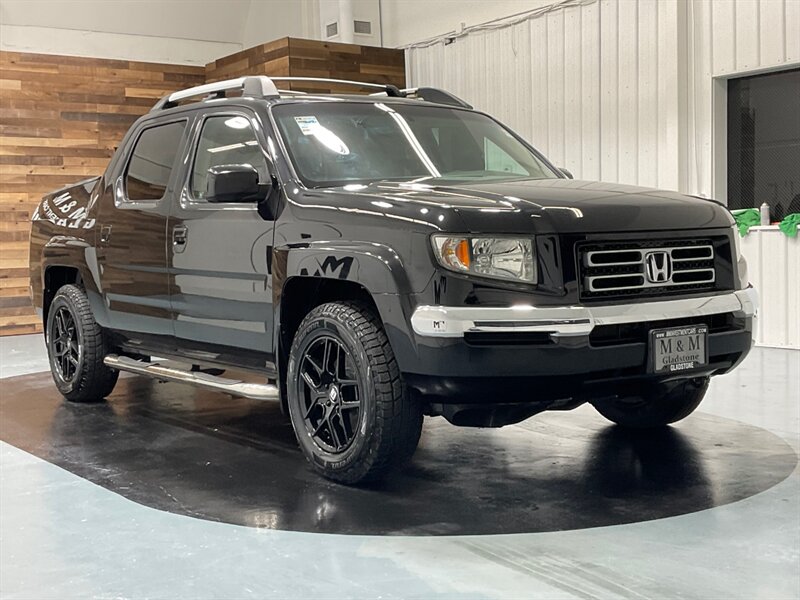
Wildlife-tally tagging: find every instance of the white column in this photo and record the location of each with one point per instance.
(346, 16)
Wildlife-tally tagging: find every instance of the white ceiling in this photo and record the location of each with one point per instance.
(245, 22)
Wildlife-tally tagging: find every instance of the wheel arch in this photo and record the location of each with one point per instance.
(65, 260)
(307, 276)
(54, 278)
(299, 296)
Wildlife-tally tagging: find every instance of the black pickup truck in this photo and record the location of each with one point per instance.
(370, 259)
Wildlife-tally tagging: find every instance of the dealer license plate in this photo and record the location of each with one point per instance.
(678, 348)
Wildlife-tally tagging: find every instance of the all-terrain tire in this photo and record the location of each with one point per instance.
(389, 421)
(76, 346)
(657, 405)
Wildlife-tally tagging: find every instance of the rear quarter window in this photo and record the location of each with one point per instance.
(152, 160)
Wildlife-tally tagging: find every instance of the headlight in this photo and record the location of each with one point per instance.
(499, 258)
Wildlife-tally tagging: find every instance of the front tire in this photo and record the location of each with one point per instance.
(657, 405)
(76, 347)
(351, 413)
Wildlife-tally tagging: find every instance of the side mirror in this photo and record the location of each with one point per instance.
(234, 183)
(566, 172)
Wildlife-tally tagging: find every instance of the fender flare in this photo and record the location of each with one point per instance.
(375, 267)
(76, 253)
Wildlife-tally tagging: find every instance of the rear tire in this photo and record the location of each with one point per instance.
(351, 413)
(76, 346)
(657, 405)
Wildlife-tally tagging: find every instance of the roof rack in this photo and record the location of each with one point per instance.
(261, 86)
(436, 95)
(388, 89)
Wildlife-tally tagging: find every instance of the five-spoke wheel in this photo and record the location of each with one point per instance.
(330, 394)
(351, 413)
(65, 346)
(77, 346)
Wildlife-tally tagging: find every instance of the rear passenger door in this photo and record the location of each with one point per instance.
(132, 234)
(220, 284)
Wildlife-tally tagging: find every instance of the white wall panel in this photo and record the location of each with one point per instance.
(791, 27)
(723, 19)
(620, 90)
(588, 91)
(608, 128)
(771, 34)
(774, 262)
(647, 93)
(670, 96)
(747, 34)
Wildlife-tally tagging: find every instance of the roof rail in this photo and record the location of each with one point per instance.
(261, 86)
(387, 88)
(435, 95)
(258, 86)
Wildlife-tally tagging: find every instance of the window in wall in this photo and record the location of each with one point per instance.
(226, 140)
(764, 142)
(152, 160)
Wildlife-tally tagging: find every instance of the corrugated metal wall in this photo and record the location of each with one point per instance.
(774, 262)
(618, 90)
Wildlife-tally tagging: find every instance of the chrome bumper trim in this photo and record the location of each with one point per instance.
(558, 321)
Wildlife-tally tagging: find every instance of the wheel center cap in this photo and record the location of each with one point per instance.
(333, 393)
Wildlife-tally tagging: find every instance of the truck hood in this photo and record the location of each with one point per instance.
(544, 205)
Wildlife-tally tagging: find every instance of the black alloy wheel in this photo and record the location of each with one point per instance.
(330, 394)
(76, 346)
(353, 417)
(65, 345)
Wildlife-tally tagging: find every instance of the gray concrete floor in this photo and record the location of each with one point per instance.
(63, 537)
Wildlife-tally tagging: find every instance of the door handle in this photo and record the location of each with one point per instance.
(179, 236)
(105, 234)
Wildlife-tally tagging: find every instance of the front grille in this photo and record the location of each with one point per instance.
(646, 268)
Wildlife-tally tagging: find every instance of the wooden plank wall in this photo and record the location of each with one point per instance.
(271, 58)
(309, 58)
(61, 118)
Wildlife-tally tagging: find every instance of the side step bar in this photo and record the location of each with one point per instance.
(255, 391)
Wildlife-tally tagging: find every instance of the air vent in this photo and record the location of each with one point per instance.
(332, 29)
(363, 27)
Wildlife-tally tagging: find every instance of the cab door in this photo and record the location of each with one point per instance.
(218, 255)
(132, 234)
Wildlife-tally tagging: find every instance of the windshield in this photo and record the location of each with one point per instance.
(332, 144)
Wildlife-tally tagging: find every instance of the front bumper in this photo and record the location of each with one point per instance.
(567, 321)
(558, 357)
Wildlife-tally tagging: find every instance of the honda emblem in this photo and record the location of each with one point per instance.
(658, 266)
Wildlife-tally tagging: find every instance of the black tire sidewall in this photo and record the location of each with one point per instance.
(326, 325)
(64, 301)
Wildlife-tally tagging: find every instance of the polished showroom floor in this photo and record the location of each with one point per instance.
(165, 491)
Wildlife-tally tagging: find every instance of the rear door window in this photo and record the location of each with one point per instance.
(152, 161)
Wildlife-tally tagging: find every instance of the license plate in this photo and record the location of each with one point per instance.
(678, 348)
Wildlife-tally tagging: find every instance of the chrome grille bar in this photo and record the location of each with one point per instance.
(623, 269)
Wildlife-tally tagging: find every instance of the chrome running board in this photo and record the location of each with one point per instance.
(255, 391)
